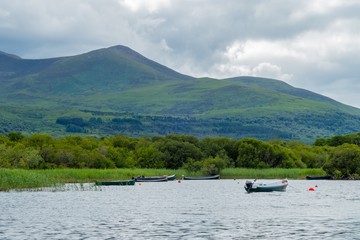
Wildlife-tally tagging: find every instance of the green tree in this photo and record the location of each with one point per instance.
(97, 160)
(48, 153)
(338, 140)
(15, 136)
(122, 157)
(149, 157)
(254, 153)
(176, 153)
(184, 138)
(344, 162)
(4, 139)
(18, 156)
(38, 140)
(223, 147)
(123, 141)
(311, 156)
(321, 142)
(192, 166)
(4, 159)
(213, 166)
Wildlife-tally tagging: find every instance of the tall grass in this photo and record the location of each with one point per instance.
(24, 179)
(32, 179)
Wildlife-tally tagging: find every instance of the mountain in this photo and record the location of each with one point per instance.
(117, 90)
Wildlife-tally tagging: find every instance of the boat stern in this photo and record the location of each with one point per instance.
(248, 185)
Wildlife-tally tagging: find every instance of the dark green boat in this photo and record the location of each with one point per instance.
(164, 178)
(171, 177)
(326, 177)
(117, 183)
(214, 177)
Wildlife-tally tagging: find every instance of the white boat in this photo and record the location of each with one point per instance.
(254, 186)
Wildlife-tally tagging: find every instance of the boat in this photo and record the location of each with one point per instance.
(116, 183)
(151, 179)
(156, 178)
(326, 177)
(171, 177)
(254, 186)
(214, 177)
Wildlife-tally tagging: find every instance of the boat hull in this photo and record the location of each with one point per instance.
(151, 179)
(215, 177)
(327, 177)
(268, 189)
(116, 183)
(171, 177)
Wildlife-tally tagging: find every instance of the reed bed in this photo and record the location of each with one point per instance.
(20, 179)
(55, 178)
(24, 179)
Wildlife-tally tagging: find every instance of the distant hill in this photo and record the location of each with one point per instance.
(117, 90)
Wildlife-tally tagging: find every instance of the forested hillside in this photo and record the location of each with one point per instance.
(118, 91)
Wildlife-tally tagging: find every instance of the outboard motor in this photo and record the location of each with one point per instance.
(248, 185)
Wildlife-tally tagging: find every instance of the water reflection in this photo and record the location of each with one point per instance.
(187, 210)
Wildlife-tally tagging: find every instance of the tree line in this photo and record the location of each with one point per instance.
(338, 156)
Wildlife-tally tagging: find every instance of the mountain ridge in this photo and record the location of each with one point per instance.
(119, 80)
(286, 88)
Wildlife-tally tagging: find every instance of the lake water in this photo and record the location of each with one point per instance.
(215, 209)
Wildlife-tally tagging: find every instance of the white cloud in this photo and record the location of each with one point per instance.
(255, 58)
(150, 6)
(271, 71)
(165, 46)
(320, 7)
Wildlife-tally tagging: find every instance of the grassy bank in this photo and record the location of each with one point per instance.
(32, 179)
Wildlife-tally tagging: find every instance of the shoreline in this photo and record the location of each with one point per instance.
(21, 179)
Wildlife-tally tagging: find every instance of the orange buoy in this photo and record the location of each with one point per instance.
(311, 189)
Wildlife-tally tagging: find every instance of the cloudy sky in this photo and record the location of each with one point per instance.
(311, 44)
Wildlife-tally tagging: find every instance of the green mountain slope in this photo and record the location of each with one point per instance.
(108, 70)
(282, 87)
(130, 94)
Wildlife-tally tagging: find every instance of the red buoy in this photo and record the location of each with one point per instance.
(311, 189)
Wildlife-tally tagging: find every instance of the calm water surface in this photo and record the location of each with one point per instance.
(217, 209)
